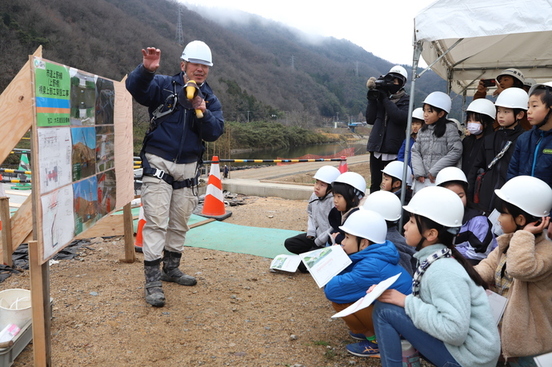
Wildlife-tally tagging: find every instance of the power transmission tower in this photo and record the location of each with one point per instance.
(179, 32)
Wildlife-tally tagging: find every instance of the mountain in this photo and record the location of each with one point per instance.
(262, 69)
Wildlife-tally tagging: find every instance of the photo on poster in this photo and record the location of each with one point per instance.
(85, 200)
(107, 192)
(105, 101)
(54, 145)
(83, 98)
(105, 148)
(58, 222)
(83, 158)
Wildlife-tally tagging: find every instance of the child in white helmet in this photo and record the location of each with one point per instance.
(319, 207)
(374, 259)
(520, 268)
(438, 144)
(447, 318)
(480, 117)
(392, 177)
(348, 191)
(415, 126)
(490, 167)
(388, 205)
(475, 240)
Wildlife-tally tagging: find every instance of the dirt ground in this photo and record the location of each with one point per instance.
(239, 313)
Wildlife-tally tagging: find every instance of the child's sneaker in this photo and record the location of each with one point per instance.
(364, 348)
(357, 336)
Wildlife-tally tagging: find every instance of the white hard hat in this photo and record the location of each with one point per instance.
(397, 69)
(440, 100)
(326, 174)
(387, 204)
(440, 205)
(529, 82)
(353, 179)
(418, 113)
(547, 85)
(366, 224)
(483, 106)
(511, 72)
(449, 174)
(530, 194)
(197, 52)
(395, 169)
(513, 98)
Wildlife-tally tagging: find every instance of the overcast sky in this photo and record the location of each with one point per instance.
(383, 27)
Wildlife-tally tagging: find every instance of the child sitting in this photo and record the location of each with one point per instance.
(389, 207)
(415, 126)
(438, 144)
(475, 239)
(520, 268)
(447, 317)
(319, 206)
(348, 191)
(374, 259)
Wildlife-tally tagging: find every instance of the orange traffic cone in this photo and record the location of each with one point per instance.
(139, 242)
(343, 165)
(213, 205)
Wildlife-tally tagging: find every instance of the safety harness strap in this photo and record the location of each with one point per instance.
(155, 172)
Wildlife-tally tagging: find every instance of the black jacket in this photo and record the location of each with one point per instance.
(389, 120)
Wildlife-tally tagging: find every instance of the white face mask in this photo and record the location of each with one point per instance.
(475, 128)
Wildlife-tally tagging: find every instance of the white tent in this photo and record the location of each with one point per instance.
(467, 40)
(464, 41)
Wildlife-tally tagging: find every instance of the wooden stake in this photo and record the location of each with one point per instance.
(40, 305)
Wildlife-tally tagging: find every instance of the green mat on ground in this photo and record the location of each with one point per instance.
(265, 242)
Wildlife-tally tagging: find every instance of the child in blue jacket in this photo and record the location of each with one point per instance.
(374, 260)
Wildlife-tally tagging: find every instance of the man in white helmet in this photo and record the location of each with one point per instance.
(171, 155)
(387, 112)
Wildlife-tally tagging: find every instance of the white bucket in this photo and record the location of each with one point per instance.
(15, 307)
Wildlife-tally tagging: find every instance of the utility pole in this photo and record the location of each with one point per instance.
(179, 32)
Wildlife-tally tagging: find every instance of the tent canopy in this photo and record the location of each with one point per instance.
(480, 38)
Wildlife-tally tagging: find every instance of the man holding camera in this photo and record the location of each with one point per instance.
(387, 112)
(171, 156)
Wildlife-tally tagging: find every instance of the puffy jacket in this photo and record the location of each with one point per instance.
(318, 224)
(496, 176)
(389, 119)
(533, 155)
(370, 266)
(178, 136)
(431, 154)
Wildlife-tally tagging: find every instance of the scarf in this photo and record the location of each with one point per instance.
(416, 280)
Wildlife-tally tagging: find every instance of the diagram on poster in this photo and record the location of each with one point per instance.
(55, 158)
(57, 224)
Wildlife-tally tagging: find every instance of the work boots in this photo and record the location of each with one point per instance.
(154, 292)
(171, 272)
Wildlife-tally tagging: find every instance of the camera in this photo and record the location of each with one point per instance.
(383, 83)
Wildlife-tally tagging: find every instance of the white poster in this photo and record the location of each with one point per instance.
(55, 158)
(58, 224)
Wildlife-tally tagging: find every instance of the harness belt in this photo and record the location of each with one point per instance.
(155, 172)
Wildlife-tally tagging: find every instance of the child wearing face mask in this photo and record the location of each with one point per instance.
(438, 144)
(491, 164)
(480, 116)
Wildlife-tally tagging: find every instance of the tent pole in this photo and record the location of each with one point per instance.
(415, 60)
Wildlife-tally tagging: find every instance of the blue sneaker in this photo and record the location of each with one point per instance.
(364, 348)
(357, 336)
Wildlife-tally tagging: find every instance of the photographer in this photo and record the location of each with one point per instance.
(387, 112)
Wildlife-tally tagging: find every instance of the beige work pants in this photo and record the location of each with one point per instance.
(167, 211)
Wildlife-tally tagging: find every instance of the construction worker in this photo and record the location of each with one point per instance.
(171, 156)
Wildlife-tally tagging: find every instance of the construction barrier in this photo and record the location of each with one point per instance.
(213, 205)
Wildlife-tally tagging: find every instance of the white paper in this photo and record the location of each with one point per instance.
(369, 298)
(544, 360)
(284, 262)
(55, 158)
(325, 263)
(498, 305)
(493, 218)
